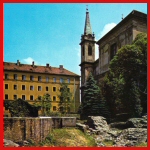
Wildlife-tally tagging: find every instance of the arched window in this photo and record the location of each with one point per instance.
(89, 50)
(82, 50)
(113, 50)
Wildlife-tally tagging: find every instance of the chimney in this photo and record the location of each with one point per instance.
(60, 66)
(32, 63)
(47, 65)
(18, 63)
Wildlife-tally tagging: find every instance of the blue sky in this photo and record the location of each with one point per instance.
(51, 33)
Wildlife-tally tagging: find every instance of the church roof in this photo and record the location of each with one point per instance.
(134, 14)
(87, 28)
(18, 67)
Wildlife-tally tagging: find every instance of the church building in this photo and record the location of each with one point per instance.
(122, 34)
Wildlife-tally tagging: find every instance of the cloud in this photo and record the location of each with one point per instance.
(96, 52)
(106, 29)
(29, 60)
(78, 51)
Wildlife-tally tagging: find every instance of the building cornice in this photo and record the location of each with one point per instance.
(86, 63)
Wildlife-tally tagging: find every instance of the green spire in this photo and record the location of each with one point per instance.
(87, 28)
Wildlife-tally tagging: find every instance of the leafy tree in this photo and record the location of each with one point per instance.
(93, 104)
(65, 98)
(21, 108)
(44, 103)
(107, 92)
(127, 79)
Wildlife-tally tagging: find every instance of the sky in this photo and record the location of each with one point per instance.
(51, 33)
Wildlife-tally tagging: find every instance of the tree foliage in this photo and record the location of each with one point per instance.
(43, 103)
(20, 108)
(93, 104)
(65, 98)
(125, 85)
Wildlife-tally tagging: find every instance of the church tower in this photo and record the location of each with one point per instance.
(87, 51)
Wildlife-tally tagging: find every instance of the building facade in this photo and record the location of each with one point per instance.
(122, 34)
(30, 82)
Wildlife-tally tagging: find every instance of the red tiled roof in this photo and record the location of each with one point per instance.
(37, 69)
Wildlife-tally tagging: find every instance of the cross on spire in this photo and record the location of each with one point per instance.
(122, 16)
(87, 28)
(86, 8)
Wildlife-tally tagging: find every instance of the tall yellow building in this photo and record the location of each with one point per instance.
(29, 82)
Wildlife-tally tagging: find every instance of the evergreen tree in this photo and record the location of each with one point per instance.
(65, 98)
(93, 104)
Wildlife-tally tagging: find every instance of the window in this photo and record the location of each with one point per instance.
(83, 50)
(61, 109)
(54, 108)
(31, 97)
(6, 96)
(54, 89)
(113, 51)
(23, 97)
(68, 80)
(68, 89)
(47, 79)
(39, 88)
(39, 97)
(61, 80)
(54, 80)
(31, 78)
(6, 76)
(47, 109)
(46, 88)
(23, 87)
(15, 87)
(6, 86)
(89, 50)
(23, 77)
(61, 89)
(68, 99)
(39, 78)
(15, 76)
(15, 97)
(61, 98)
(54, 98)
(31, 88)
(47, 96)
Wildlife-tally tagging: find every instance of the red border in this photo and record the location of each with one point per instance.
(2, 54)
(74, 1)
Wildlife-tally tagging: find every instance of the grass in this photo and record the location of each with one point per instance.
(108, 142)
(68, 137)
(144, 144)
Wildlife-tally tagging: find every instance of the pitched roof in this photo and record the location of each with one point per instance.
(134, 14)
(8, 66)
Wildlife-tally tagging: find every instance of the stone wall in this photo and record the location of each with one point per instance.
(19, 129)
